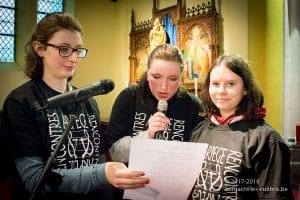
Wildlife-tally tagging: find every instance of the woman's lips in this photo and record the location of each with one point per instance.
(162, 95)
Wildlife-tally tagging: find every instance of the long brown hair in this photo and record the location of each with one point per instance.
(45, 29)
(250, 102)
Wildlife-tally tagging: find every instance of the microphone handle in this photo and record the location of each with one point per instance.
(159, 135)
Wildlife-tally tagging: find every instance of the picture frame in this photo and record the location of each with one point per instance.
(196, 36)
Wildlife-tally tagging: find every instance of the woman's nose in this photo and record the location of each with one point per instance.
(73, 57)
(222, 88)
(164, 84)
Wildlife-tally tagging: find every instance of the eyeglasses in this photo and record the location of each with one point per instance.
(65, 51)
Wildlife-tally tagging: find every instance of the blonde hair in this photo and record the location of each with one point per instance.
(166, 52)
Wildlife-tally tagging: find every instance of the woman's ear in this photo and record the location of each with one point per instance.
(245, 92)
(39, 48)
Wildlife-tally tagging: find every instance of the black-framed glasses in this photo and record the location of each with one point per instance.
(65, 51)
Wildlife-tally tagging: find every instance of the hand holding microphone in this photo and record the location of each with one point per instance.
(159, 122)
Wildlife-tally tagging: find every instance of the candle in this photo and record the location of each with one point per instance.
(196, 86)
(190, 68)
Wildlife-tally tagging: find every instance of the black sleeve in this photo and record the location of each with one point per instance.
(23, 128)
(7, 163)
(196, 133)
(195, 117)
(273, 170)
(198, 109)
(120, 122)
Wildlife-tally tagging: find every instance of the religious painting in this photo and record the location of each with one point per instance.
(197, 55)
(193, 30)
(141, 58)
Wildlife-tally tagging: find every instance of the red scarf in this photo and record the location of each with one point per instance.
(260, 114)
(219, 120)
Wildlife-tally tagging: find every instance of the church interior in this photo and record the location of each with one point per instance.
(116, 34)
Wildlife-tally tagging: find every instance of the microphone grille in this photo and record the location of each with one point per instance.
(109, 84)
(162, 105)
(105, 86)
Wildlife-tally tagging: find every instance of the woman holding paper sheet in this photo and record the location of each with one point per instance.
(246, 157)
(80, 172)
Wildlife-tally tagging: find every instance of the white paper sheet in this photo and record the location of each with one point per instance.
(172, 167)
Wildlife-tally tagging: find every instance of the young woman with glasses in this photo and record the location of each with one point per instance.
(52, 54)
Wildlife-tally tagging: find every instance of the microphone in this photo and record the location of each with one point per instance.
(100, 87)
(162, 106)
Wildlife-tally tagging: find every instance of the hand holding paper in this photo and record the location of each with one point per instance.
(172, 167)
